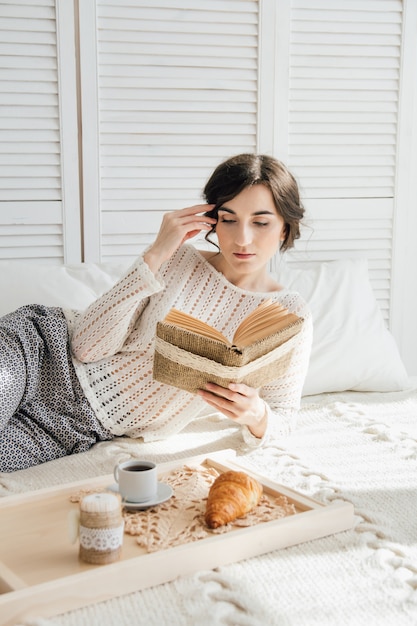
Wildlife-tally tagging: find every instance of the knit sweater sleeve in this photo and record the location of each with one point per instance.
(104, 326)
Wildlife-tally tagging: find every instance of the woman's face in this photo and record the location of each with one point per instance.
(249, 232)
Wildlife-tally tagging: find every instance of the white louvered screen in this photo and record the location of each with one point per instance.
(32, 220)
(177, 92)
(343, 103)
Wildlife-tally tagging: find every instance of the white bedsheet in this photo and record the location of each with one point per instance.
(360, 447)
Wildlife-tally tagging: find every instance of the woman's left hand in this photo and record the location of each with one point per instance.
(239, 403)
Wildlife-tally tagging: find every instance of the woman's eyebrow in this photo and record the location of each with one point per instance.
(261, 212)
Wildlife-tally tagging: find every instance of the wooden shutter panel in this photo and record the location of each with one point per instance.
(34, 119)
(177, 92)
(343, 104)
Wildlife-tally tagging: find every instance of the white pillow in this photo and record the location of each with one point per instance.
(67, 286)
(352, 347)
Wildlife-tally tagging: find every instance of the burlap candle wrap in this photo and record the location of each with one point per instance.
(101, 528)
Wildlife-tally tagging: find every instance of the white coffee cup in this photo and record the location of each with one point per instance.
(137, 480)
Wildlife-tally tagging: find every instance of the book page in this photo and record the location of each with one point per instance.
(194, 325)
(260, 316)
(268, 318)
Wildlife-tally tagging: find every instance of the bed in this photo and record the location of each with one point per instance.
(358, 446)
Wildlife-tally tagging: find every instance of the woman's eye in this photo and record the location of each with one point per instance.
(225, 221)
(261, 223)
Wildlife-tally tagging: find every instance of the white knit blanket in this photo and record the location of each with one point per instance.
(352, 446)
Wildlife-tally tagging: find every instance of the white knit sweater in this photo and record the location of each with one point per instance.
(112, 344)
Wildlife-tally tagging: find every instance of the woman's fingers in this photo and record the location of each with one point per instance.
(176, 228)
(190, 219)
(238, 402)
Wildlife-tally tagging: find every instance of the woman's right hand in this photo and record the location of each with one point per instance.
(176, 228)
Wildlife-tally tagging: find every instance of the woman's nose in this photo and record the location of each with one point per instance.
(243, 235)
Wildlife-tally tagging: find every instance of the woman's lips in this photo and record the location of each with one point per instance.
(243, 255)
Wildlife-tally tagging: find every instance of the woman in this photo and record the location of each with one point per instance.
(70, 379)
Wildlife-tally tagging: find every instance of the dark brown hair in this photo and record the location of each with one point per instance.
(241, 171)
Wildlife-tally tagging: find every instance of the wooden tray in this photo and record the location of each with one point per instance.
(41, 575)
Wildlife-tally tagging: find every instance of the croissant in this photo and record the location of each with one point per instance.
(232, 495)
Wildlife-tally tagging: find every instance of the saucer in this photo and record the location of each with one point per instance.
(163, 493)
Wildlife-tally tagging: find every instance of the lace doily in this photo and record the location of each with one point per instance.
(181, 519)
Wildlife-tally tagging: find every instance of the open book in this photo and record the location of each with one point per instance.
(189, 353)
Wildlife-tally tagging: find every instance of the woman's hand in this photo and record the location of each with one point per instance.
(176, 228)
(239, 403)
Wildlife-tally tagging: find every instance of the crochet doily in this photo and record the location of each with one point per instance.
(180, 519)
